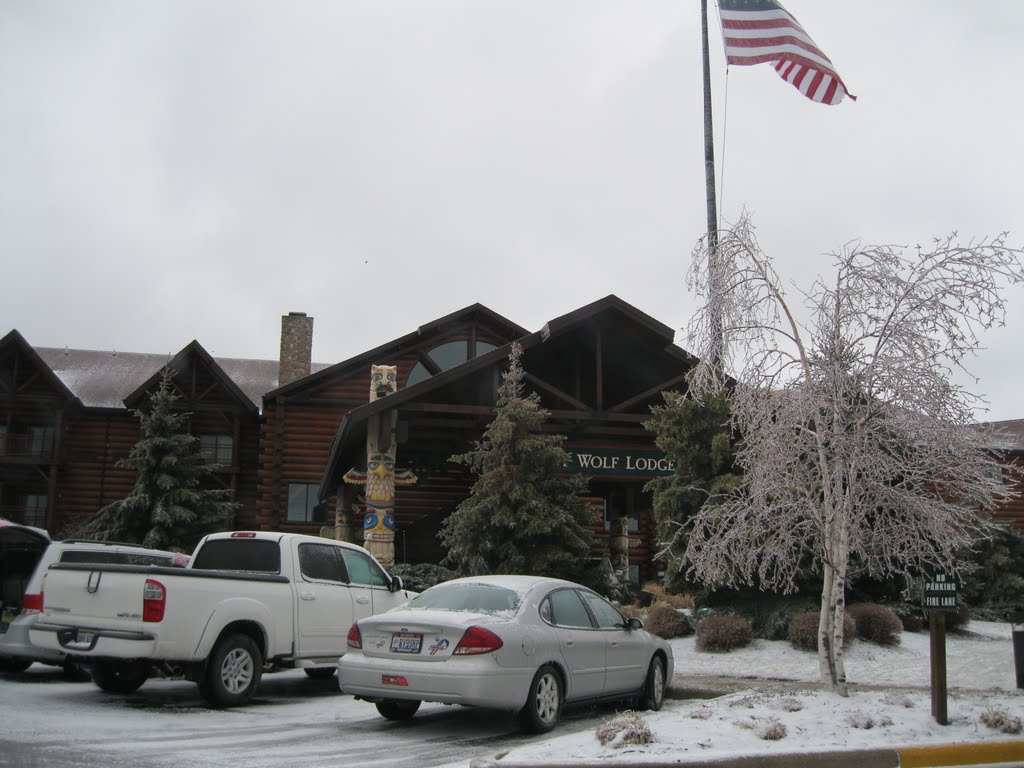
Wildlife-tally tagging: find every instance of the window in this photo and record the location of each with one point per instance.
(474, 598)
(253, 555)
(606, 614)
(362, 570)
(113, 558)
(303, 503)
(568, 610)
(35, 509)
(40, 440)
(321, 562)
(217, 449)
(446, 356)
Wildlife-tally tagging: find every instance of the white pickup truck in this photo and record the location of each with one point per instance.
(246, 603)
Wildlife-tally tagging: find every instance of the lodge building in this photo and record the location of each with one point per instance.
(284, 432)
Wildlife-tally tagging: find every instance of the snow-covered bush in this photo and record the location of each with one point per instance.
(666, 622)
(721, 634)
(803, 631)
(876, 623)
(624, 730)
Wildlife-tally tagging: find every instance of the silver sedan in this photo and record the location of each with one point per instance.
(519, 643)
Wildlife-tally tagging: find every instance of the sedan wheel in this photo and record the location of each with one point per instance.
(393, 709)
(544, 704)
(654, 688)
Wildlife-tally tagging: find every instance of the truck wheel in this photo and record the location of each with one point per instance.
(544, 703)
(233, 672)
(320, 673)
(393, 709)
(120, 676)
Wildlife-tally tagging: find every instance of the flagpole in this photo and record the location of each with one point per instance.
(716, 349)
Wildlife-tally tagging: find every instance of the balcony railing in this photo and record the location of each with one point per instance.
(26, 447)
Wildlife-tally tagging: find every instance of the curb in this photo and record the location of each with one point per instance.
(975, 753)
(926, 756)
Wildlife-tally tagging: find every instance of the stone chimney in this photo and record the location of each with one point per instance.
(296, 347)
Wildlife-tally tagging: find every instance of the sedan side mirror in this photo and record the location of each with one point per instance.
(396, 584)
(634, 623)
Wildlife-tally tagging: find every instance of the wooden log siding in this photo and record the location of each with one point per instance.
(297, 433)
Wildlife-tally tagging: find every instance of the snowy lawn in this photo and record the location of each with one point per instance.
(803, 718)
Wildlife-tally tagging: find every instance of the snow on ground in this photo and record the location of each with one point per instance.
(893, 708)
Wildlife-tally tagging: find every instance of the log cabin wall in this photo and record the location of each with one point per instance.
(301, 420)
(90, 478)
(34, 405)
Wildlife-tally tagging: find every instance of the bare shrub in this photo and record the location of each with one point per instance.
(876, 623)
(803, 631)
(623, 731)
(721, 634)
(662, 595)
(998, 719)
(771, 730)
(666, 623)
(898, 700)
(790, 704)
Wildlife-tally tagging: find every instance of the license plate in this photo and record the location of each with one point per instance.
(83, 637)
(393, 680)
(406, 643)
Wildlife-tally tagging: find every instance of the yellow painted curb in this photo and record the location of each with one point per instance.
(961, 754)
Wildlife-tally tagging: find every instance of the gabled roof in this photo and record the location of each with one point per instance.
(103, 379)
(180, 362)
(353, 425)
(473, 311)
(15, 339)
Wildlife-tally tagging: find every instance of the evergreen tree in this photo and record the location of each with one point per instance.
(698, 438)
(166, 509)
(523, 515)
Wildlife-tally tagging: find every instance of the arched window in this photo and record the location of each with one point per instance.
(446, 356)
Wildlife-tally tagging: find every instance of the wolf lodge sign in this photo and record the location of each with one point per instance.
(605, 461)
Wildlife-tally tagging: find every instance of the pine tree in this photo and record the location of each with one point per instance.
(523, 514)
(698, 437)
(167, 508)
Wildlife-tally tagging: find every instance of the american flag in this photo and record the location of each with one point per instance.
(759, 31)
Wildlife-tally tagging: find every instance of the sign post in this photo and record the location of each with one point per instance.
(939, 598)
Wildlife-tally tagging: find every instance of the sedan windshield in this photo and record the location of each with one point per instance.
(474, 598)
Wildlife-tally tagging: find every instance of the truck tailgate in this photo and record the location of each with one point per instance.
(106, 596)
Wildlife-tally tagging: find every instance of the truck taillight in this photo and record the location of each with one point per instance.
(477, 640)
(355, 639)
(154, 601)
(32, 603)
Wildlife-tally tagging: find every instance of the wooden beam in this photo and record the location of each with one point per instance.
(461, 410)
(428, 362)
(621, 418)
(668, 383)
(555, 391)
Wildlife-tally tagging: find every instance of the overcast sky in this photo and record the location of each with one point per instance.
(184, 169)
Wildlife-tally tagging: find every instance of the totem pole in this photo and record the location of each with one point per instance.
(380, 476)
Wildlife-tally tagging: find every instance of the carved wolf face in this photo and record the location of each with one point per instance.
(383, 381)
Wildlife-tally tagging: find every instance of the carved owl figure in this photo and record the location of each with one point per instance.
(383, 381)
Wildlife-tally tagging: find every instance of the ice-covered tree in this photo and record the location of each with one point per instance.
(523, 514)
(856, 446)
(167, 508)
